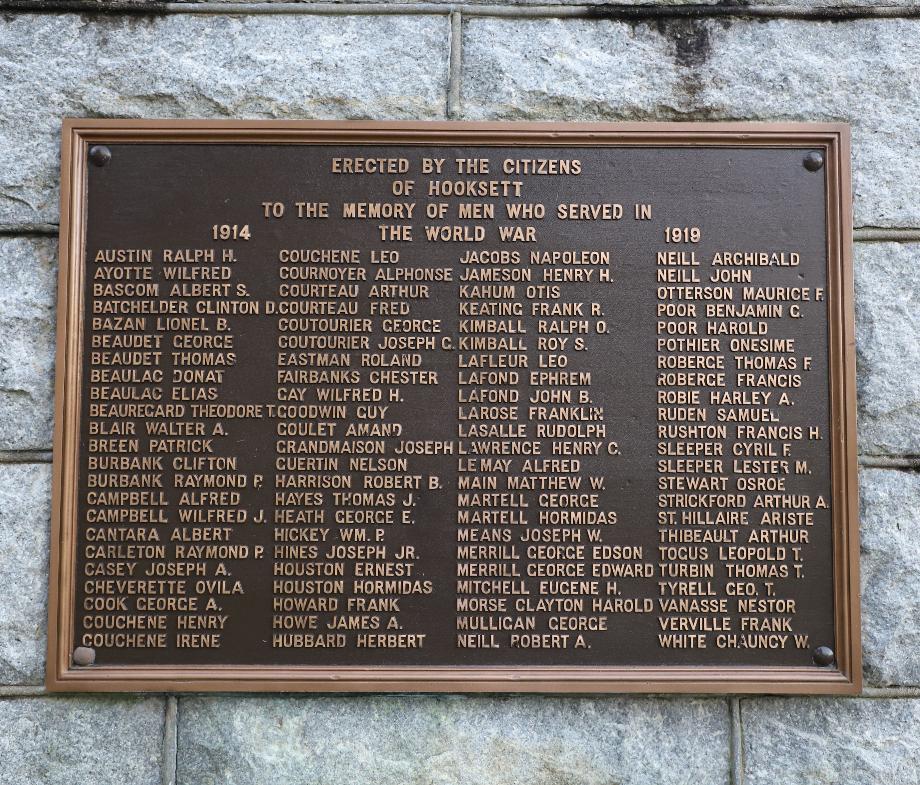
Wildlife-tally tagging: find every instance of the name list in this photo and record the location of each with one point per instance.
(454, 405)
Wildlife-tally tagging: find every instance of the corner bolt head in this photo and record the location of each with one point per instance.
(823, 656)
(83, 656)
(813, 161)
(100, 154)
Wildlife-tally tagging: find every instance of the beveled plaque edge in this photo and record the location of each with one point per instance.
(833, 138)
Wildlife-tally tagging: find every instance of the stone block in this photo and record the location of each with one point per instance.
(826, 741)
(888, 347)
(25, 503)
(452, 740)
(28, 269)
(67, 740)
(890, 566)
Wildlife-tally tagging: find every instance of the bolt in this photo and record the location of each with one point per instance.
(83, 655)
(823, 656)
(813, 161)
(100, 154)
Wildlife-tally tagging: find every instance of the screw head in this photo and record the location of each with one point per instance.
(100, 154)
(83, 655)
(823, 656)
(813, 161)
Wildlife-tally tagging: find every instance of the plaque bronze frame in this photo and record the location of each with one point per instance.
(832, 138)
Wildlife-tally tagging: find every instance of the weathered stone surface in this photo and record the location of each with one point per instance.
(25, 504)
(63, 741)
(780, 70)
(888, 347)
(441, 740)
(825, 741)
(551, 69)
(155, 5)
(890, 565)
(288, 66)
(28, 270)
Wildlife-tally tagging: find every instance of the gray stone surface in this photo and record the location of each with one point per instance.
(861, 72)
(797, 4)
(25, 504)
(888, 347)
(28, 271)
(76, 740)
(890, 564)
(288, 66)
(446, 740)
(825, 741)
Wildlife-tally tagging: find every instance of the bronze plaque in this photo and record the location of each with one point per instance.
(456, 407)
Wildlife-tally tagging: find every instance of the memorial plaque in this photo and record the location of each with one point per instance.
(455, 407)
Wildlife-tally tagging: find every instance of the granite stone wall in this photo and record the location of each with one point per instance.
(808, 60)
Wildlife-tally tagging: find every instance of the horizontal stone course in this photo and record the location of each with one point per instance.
(888, 350)
(68, 740)
(890, 562)
(825, 741)
(441, 740)
(319, 66)
(890, 566)
(708, 69)
(191, 66)
(25, 504)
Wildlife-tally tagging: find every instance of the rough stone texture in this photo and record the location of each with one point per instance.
(28, 270)
(565, 70)
(448, 740)
(63, 741)
(288, 66)
(25, 504)
(888, 347)
(861, 72)
(890, 565)
(797, 4)
(823, 741)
